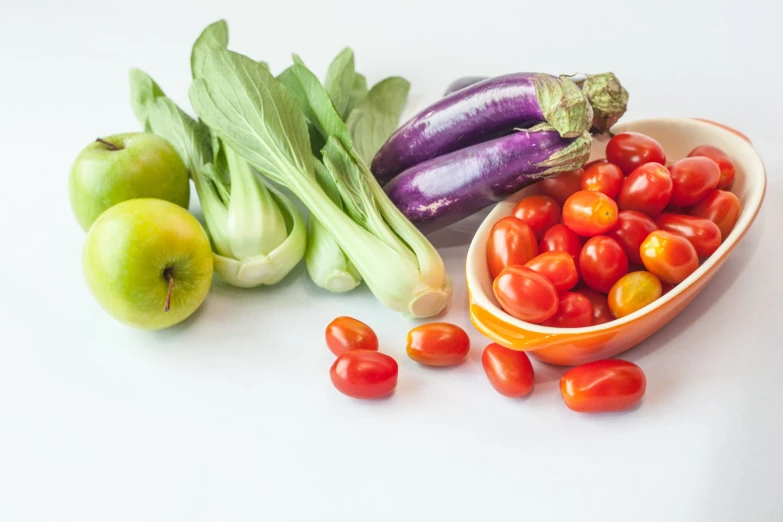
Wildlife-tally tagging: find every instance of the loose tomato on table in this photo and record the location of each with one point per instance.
(601, 312)
(633, 292)
(726, 166)
(511, 242)
(573, 311)
(438, 344)
(509, 371)
(560, 186)
(602, 263)
(603, 177)
(720, 207)
(703, 234)
(692, 180)
(560, 238)
(590, 213)
(631, 230)
(669, 256)
(629, 150)
(558, 267)
(538, 211)
(603, 386)
(525, 294)
(647, 190)
(364, 374)
(346, 333)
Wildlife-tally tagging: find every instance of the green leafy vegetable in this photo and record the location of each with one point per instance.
(377, 116)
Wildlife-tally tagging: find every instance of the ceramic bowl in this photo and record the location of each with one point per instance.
(572, 346)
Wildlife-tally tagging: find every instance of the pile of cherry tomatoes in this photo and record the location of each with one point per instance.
(602, 242)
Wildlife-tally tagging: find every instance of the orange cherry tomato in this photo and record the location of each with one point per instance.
(525, 294)
(692, 180)
(511, 242)
(508, 371)
(560, 238)
(629, 150)
(438, 344)
(601, 386)
(727, 169)
(346, 333)
(558, 267)
(633, 292)
(364, 374)
(703, 234)
(562, 185)
(538, 211)
(647, 190)
(720, 207)
(590, 213)
(573, 311)
(601, 312)
(603, 177)
(632, 228)
(602, 263)
(669, 256)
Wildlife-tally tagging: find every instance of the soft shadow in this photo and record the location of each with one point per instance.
(460, 233)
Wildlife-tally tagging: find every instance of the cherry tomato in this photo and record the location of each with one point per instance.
(632, 228)
(364, 374)
(727, 169)
(560, 238)
(703, 234)
(666, 288)
(601, 312)
(720, 207)
(525, 294)
(508, 371)
(600, 386)
(573, 311)
(438, 344)
(346, 333)
(560, 186)
(629, 150)
(538, 211)
(633, 292)
(669, 256)
(647, 190)
(558, 267)
(590, 213)
(603, 177)
(594, 162)
(602, 262)
(692, 180)
(511, 242)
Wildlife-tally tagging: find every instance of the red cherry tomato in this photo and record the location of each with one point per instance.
(602, 262)
(511, 242)
(692, 180)
(669, 256)
(727, 169)
(629, 150)
(594, 162)
(558, 267)
(346, 333)
(647, 190)
(633, 292)
(590, 213)
(601, 312)
(603, 177)
(573, 311)
(666, 288)
(703, 234)
(364, 374)
(538, 211)
(720, 207)
(560, 238)
(508, 371)
(600, 386)
(632, 228)
(560, 186)
(525, 294)
(438, 344)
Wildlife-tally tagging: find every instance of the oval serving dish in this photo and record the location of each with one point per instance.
(573, 346)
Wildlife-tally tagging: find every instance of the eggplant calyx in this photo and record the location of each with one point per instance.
(608, 98)
(563, 105)
(572, 157)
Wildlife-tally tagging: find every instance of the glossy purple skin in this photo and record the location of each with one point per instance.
(443, 190)
(479, 112)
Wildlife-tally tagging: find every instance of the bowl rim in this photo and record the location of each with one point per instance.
(477, 248)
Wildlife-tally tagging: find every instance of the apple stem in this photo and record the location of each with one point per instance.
(109, 144)
(168, 275)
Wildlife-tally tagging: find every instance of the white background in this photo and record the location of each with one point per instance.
(232, 417)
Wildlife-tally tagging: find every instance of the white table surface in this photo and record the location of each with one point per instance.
(232, 417)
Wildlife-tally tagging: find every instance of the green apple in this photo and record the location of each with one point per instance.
(122, 167)
(148, 262)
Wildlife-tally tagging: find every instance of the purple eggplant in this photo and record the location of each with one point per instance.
(604, 92)
(483, 111)
(443, 190)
